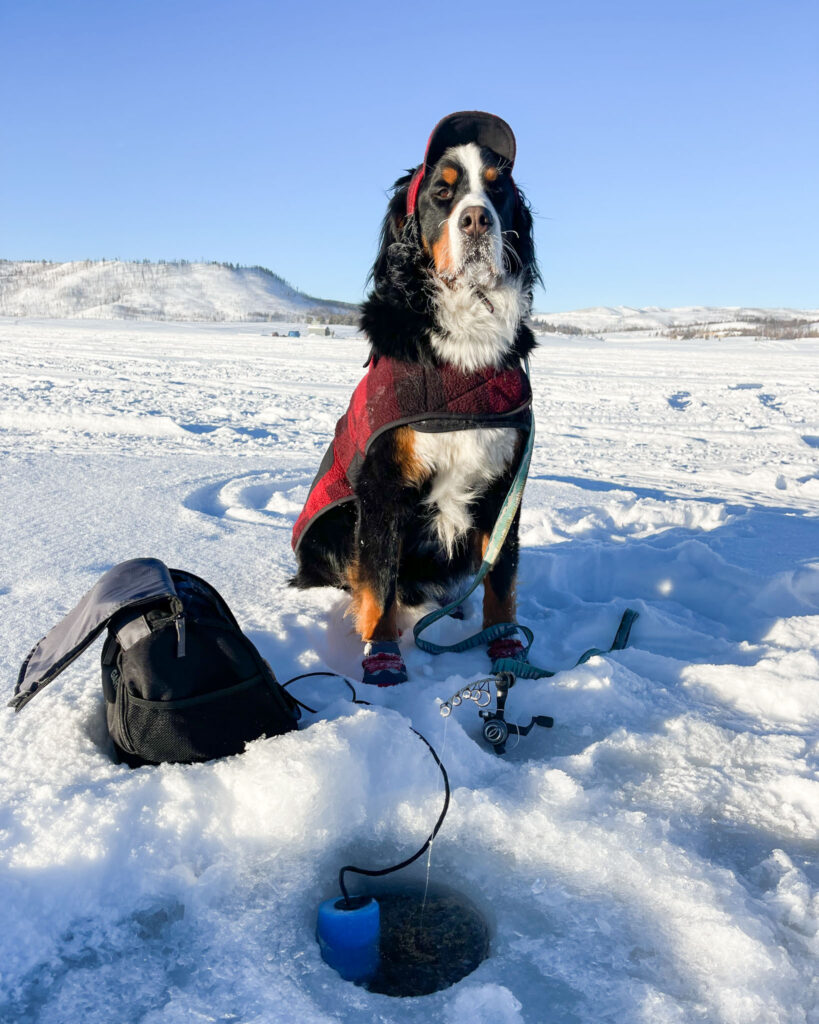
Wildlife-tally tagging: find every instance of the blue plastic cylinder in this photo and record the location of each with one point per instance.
(348, 936)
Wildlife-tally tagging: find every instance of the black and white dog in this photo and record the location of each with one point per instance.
(451, 294)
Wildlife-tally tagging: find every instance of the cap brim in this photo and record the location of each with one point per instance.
(471, 126)
(456, 130)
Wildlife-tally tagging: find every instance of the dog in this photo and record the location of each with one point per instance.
(402, 508)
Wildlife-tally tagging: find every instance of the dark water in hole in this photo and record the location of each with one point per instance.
(424, 950)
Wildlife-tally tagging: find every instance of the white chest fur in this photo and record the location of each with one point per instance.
(462, 463)
(473, 334)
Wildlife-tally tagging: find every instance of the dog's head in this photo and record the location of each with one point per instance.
(466, 210)
(456, 225)
(462, 208)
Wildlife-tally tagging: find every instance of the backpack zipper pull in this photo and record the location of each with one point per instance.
(179, 620)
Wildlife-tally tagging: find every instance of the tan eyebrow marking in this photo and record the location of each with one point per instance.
(491, 174)
(450, 175)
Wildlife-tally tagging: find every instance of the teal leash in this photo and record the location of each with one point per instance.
(520, 667)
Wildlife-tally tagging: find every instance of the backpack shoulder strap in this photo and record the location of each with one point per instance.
(140, 581)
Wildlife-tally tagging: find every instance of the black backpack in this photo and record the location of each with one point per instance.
(181, 680)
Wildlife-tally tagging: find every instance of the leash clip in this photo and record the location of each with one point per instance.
(485, 300)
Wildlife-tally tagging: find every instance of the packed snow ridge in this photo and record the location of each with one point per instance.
(178, 290)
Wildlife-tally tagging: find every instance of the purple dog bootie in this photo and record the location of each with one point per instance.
(383, 664)
(505, 647)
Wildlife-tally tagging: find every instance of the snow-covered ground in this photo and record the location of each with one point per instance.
(653, 858)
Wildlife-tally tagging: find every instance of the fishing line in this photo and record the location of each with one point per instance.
(429, 854)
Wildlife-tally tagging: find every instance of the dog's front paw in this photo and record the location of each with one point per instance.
(505, 647)
(383, 664)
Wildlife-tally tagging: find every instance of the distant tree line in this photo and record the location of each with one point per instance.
(547, 328)
(315, 315)
(770, 328)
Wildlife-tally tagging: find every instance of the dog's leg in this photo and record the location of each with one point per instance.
(374, 585)
(499, 595)
(499, 585)
(387, 492)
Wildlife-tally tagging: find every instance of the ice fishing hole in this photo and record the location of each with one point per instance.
(426, 947)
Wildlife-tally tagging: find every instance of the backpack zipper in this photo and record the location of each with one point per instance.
(179, 622)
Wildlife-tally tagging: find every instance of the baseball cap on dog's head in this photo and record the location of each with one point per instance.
(456, 130)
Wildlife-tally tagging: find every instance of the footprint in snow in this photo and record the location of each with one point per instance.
(274, 499)
(770, 402)
(208, 428)
(680, 400)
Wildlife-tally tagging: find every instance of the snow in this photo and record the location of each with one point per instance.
(653, 858)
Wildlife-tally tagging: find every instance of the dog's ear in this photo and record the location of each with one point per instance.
(393, 225)
(395, 316)
(523, 242)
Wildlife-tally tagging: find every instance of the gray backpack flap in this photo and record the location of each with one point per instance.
(181, 681)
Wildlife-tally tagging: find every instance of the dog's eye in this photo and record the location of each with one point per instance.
(443, 193)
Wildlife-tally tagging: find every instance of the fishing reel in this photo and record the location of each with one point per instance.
(495, 727)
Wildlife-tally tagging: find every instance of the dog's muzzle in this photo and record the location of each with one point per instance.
(475, 221)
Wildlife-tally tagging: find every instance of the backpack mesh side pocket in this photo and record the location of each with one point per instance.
(197, 728)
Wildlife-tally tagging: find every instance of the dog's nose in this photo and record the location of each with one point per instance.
(475, 221)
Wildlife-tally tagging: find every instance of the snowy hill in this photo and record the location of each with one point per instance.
(653, 858)
(116, 290)
(180, 290)
(685, 321)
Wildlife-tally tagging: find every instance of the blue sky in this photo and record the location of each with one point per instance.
(670, 149)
